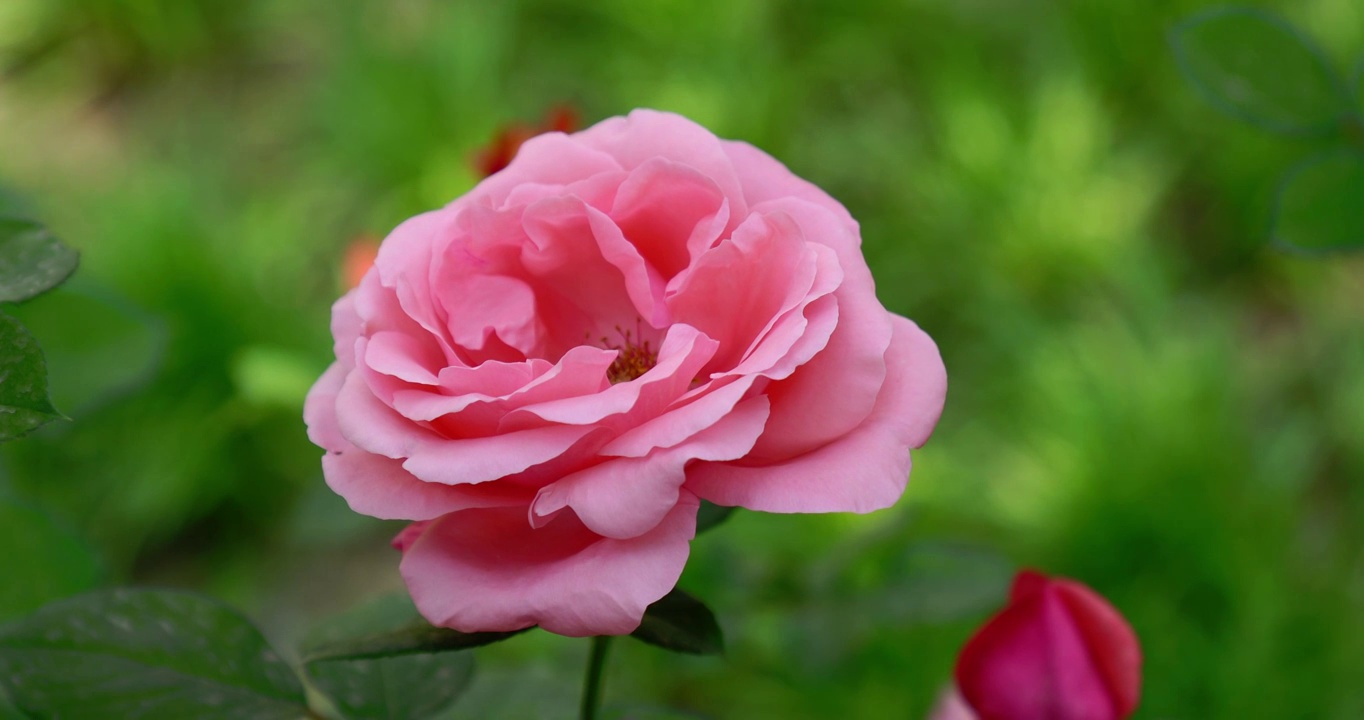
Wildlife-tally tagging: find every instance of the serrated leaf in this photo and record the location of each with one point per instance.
(400, 687)
(1256, 67)
(24, 405)
(145, 655)
(681, 623)
(32, 261)
(711, 515)
(96, 345)
(1320, 205)
(44, 561)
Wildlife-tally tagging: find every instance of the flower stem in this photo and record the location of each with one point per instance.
(592, 683)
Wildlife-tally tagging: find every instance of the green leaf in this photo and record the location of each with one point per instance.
(1320, 205)
(145, 655)
(417, 637)
(97, 346)
(399, 687)
(1256, 67)
(681, 623)
(24, 404)
(711, 515)
(43, 561)
(32, 261)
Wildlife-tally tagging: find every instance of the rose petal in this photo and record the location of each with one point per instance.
(627, 497)
(477, 460)
(378, 486)
(488, 570)
(862, 471)
(665, 210)
(684, 351)
(647, 134)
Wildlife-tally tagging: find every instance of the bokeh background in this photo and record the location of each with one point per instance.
(1143, 395)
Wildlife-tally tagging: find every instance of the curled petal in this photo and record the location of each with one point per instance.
(862, 471)
(489, 570)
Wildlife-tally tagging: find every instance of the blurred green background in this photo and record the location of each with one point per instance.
(1143, 395)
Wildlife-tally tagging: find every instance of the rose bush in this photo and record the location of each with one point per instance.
(548, 374)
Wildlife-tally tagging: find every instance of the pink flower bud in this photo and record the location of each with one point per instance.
(1058, 651)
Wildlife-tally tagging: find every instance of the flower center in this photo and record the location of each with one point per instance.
(634, 358)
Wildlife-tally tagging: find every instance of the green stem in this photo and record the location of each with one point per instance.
(596, 663)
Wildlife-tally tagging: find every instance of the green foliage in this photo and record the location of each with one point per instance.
(1253, 65)
(399, 685)
(1141, 396)
(681, 623)
(97, 346)
(1318, 208)
(24, 404)
(145, 655)
(44, 561)
(32, 261)
(710, 515)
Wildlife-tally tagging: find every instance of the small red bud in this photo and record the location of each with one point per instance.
(1058, 651)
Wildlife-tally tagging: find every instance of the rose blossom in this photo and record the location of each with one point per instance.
(549, 373)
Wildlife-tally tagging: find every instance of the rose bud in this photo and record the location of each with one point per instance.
(359, 258)
(1058, 651)
(499, 153)
(548, 375)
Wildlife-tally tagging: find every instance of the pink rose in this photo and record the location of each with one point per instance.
(549, 373)
(1058, 651)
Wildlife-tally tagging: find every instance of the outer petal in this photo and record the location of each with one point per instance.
(862, 471)
(764, 178)
(376, 485)
(488, 570)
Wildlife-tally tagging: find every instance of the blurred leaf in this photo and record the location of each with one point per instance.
(274, 376)
(1320, 205)
(378, 636)
(936, 582)
(96, 346)
(651, 712)
(32, 261)
(1256, 67)
(145, 655)
(7, 709)
(681, 623)
(24, 404)
(711, 515)
(402, 687)
(44, 561)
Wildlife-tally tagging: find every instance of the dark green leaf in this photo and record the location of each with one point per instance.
(400, 687)
(7, 709)
(1256, 67)
(96, 346)
(711, 515)
(415, 637)
(31, 259)
(145, 655)
(43, 561)
(1320, 206)
(681, 623)
(24, 404)
(651, 712)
